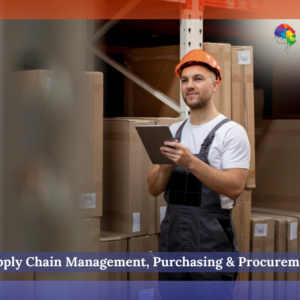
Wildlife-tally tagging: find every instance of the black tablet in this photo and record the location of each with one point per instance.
(153, 137)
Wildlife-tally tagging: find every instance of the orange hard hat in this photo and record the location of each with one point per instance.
(199, 57)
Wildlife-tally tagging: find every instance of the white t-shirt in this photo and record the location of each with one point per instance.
(229, 149)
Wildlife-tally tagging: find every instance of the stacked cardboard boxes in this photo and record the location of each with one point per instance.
(292, 233)
(241, 215)
(243, 99)
(128, 208)
(37, 90)
(153, 210)
(262, 240)
(90, 234)
(241, 218)
(53, 218)
(286, 240)
(222, 98)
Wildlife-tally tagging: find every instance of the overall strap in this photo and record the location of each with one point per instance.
(210, 137)
(179, 131)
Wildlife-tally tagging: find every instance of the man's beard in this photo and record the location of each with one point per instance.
(199, 104)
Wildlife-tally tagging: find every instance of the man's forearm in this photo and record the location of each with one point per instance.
(158, 179)
(222, 182)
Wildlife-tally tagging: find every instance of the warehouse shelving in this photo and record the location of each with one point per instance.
(191, 37)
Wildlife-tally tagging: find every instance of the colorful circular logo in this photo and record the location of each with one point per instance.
(285, 34)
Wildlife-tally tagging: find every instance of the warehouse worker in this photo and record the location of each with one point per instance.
(212, 157)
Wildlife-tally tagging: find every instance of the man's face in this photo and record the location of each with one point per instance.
(197, 86)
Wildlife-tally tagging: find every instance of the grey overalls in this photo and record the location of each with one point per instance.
(195, 220)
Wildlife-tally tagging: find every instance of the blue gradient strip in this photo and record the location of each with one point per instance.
(146, 290)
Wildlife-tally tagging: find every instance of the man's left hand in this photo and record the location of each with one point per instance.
(179, 153)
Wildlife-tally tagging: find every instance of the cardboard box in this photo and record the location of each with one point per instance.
(291, 241)
(243, 98)
(160, 204)
(143, 244)
(161, 208)
(278, 163)
(286, 230)
(148, 282)
(113, 242)
(286, 240)
(127, 205)
(92, 93)
(222, 98)
(241, 218)
(37, 88)
(262, 240)
(292, 245)
(262, 237)
(32, 91)
(291, 276)
(280, 246)
(156, 66)
(241, 214)
(90, 235)
(282, 213)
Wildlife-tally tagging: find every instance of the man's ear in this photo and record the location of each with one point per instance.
(215, 86)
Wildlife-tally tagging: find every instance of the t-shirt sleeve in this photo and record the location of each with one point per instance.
(236, 149)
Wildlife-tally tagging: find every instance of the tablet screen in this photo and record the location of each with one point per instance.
(153, 137)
